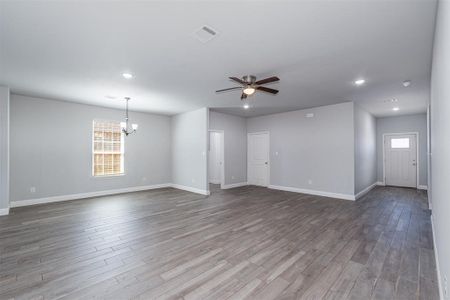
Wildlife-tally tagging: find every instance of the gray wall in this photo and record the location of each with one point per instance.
(235, 140)
(51, 148)
(320, 149)
(400, 124)
(4, 149)
(189, 146)
(365, 149)
(440, 139)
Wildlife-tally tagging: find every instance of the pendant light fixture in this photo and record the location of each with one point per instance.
(124, 125)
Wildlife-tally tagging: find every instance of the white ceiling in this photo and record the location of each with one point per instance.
(77, 51)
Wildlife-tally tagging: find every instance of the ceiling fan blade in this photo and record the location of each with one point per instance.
(243, 96)
(238, 80)
(267, 80)
(267, 90)
(229, 89)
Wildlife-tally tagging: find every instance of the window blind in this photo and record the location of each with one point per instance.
(107, 148)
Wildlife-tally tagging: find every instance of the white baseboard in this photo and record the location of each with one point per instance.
(214, 181)
(190, 189)
(104, 193)
(87, 195)
(419, 187)
(436, 257)
(312, 192)
(4, 211)
(52, 199)
(366, 190)
(234, 185)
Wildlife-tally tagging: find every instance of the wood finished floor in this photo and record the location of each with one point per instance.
(246, 242)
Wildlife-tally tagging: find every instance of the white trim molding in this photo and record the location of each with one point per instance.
(190, 189)
(419, 187)
(4, 211)
(366, 190)
(234, 185)
(313, 192)
(52, 199)
(61, 198)
(436, 257)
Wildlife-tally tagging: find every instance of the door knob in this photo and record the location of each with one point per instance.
(266, 163)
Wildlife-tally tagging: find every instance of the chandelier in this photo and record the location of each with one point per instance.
(124, 125)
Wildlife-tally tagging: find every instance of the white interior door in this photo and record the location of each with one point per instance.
(258, 159)
(401, 160)
(215, 157)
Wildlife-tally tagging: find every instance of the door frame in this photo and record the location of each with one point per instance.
(268, 154)
(222, 155)
(417, 154)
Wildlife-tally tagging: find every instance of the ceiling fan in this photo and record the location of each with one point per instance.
(250, 85)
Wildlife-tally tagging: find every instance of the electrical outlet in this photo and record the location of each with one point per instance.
(33, 189)
(232, 177)
(193, 180)
(144, 178)
(309, 181)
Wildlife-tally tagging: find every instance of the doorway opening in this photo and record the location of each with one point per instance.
(216, 160)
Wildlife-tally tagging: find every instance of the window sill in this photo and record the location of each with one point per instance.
(108, 176)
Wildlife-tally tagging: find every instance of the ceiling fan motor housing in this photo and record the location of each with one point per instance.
(250, 79)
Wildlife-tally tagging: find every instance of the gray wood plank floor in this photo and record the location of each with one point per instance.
(247, 242)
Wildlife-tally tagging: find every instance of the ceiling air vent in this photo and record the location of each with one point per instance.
(205, 34)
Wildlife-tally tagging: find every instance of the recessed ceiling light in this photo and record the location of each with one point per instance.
(396, 109)
(246, 106)
(127, 75)
(406, 83)
(360, 81)
(249, 90)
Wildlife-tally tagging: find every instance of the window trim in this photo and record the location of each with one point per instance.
(122, 145)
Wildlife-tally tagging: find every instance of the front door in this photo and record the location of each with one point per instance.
(401, 160)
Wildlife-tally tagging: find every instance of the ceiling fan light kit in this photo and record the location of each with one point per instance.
(249, 85)
(249, 91)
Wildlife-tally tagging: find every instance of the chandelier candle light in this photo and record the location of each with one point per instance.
(124, 125)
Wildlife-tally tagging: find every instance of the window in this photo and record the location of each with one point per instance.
(400, 143)
(107, 148)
